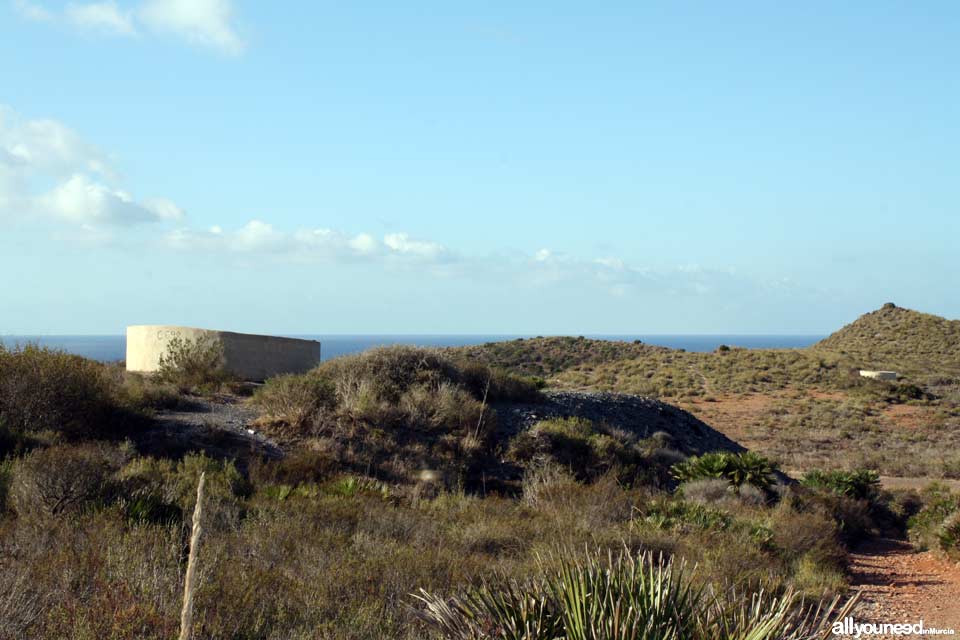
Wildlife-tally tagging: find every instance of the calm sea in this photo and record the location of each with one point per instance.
(110, 348)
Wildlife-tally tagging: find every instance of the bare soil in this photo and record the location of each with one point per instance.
(902, 585)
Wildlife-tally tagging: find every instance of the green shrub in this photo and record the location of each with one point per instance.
(497, 385)
(296, 400)
(62, 478)
(949, 535)
(193, 364)
(159, 489)
(861, 484)
(586, 449)
(47, 390)
(738, 469)
(939, 505)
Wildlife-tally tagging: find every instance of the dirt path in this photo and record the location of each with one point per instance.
(901, 585)
(218, 426)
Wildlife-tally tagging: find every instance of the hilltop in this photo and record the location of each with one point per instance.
(896, 338)
(544, 357)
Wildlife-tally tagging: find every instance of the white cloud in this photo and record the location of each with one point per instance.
(46, 145)
(257, 236)
(104, 17)
(32, 11)
(403, 244)
(48, 171)
(85, 202)
(206, 23)
(365, 244)
(164, 209)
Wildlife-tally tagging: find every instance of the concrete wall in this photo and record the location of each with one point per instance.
(878, 375)
(247, 356)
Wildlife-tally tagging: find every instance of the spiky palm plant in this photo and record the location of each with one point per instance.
(624, 597)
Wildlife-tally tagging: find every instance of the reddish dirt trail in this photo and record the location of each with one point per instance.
(901, 585)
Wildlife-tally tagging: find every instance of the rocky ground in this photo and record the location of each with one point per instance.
(218, 425)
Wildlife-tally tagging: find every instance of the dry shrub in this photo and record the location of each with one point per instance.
(145, 393)
(62, 479)
(446, 407)
(193, 365)
(47, 390)
(554, 492)
(383, 374)
(295, 400)
(812, 534)
(707, 491)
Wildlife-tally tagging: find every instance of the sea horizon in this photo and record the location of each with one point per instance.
(112, 347)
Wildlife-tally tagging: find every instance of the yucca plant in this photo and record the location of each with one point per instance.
(624, 597)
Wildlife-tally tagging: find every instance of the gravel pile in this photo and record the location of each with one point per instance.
(636, 414)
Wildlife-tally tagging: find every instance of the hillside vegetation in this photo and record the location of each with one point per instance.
(899, 339)
(807, 407)
(387, 488)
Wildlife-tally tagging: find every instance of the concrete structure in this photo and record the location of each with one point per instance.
(247, 356)
(878, 375)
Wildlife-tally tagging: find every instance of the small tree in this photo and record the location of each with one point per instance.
(193, 365)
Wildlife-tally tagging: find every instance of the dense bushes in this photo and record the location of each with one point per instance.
(62, 478)
(295, 400)
(937, 524)
(860, 484)
(586, 449)
(400, 413)
(47, 390)
(392, 386)
(300, 548)
(48, 396)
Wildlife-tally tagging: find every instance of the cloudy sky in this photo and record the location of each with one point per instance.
(476, 167)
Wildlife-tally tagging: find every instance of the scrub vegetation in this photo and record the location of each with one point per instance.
(402, 507)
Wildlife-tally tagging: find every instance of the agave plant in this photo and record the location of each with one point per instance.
(624, 597)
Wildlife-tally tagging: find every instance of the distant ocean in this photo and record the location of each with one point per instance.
(111, 348)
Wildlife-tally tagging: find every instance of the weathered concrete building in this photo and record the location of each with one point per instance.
(878, 375)
(247, 356)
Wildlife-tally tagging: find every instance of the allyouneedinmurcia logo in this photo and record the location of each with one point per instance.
(849, 627)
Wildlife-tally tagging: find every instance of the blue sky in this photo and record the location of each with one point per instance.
(476, 167)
